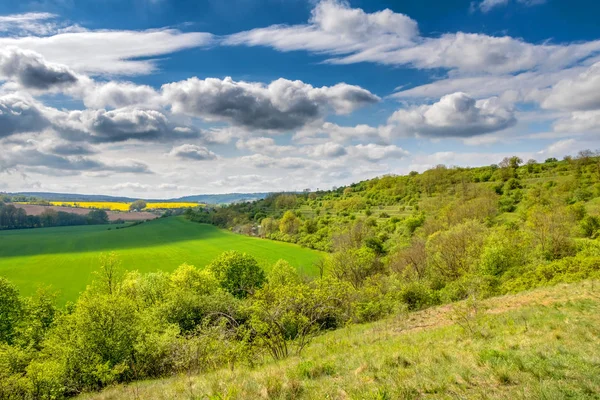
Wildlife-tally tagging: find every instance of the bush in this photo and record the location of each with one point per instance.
(417, 295)
(569, 269)
(238, 273)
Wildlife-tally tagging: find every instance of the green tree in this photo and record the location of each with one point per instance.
(238, 273)
(289, 223)
(11, 310)
(355, 265)
(137, 205)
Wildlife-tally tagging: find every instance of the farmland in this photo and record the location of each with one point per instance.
(32, 209)
(65, 257)
(116, 206)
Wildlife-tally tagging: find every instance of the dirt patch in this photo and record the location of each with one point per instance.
(112, 215)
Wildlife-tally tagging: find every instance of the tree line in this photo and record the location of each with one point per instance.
(12, 217)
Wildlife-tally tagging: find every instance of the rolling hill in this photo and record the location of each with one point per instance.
(65, 257)
(540, 344)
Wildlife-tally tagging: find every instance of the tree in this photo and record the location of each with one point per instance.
(11, 309)
(355, 265)
(289, 223)
(551, 228)
(453, 252)
(238, 273)
(268, 226)
(98, 217)
(110, 273)
(137, 205)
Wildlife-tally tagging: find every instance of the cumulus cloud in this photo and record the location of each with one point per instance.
(32, 71)
(335, 28)
(19, 114)
(373, 152)
(327, 150)
(580, 93)
(192, 152)
(120, 125)
(281, 105)
(455, 115)
(114, 94)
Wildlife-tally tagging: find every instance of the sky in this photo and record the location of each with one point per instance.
(167, 98)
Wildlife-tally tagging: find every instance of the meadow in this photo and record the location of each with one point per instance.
(540, 344)
(65, 257)
(116, 206)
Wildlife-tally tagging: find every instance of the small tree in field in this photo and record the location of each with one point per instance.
(137, 205)
(238, 273)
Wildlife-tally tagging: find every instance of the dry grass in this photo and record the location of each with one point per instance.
(539, 344)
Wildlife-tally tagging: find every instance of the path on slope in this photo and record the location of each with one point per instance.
(65, 257)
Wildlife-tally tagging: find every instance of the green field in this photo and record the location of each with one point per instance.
(65, 257)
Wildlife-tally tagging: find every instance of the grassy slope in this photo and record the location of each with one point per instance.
(64, 257)
(543, 344)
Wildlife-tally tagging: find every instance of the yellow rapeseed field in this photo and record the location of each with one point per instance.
(115, 206)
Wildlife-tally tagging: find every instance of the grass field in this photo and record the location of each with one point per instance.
(65, 257)
(115, 206)
(541, 344)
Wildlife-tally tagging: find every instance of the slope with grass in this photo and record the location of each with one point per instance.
(65, 257)
(541, 344)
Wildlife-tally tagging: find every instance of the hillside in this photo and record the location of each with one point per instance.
(430, 256)
(65, 257)
(538, 344)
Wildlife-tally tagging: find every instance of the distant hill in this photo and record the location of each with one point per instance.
(227, 198)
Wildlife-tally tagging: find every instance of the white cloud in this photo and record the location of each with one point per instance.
(281, 105)
(330, 131)
(351, 36)
(335, 28)
(37, 23)
(263, 145)
(374, 152)
(580, 93)
(109, 51)
(19, 114)
(263, 161)
(34, 158)
(119, 125)
(579, 122)
(115, 94)
(32, 71)
(488, 5)
(455, 115)
(327, 150)
(192, 152)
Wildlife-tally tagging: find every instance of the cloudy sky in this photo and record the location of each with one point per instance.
(164, 98)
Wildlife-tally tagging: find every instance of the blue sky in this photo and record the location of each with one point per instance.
(162, 98)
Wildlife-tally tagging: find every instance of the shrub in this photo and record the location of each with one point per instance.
(238, 273)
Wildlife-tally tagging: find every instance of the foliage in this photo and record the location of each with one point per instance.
(137, 205)
(237, 273)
